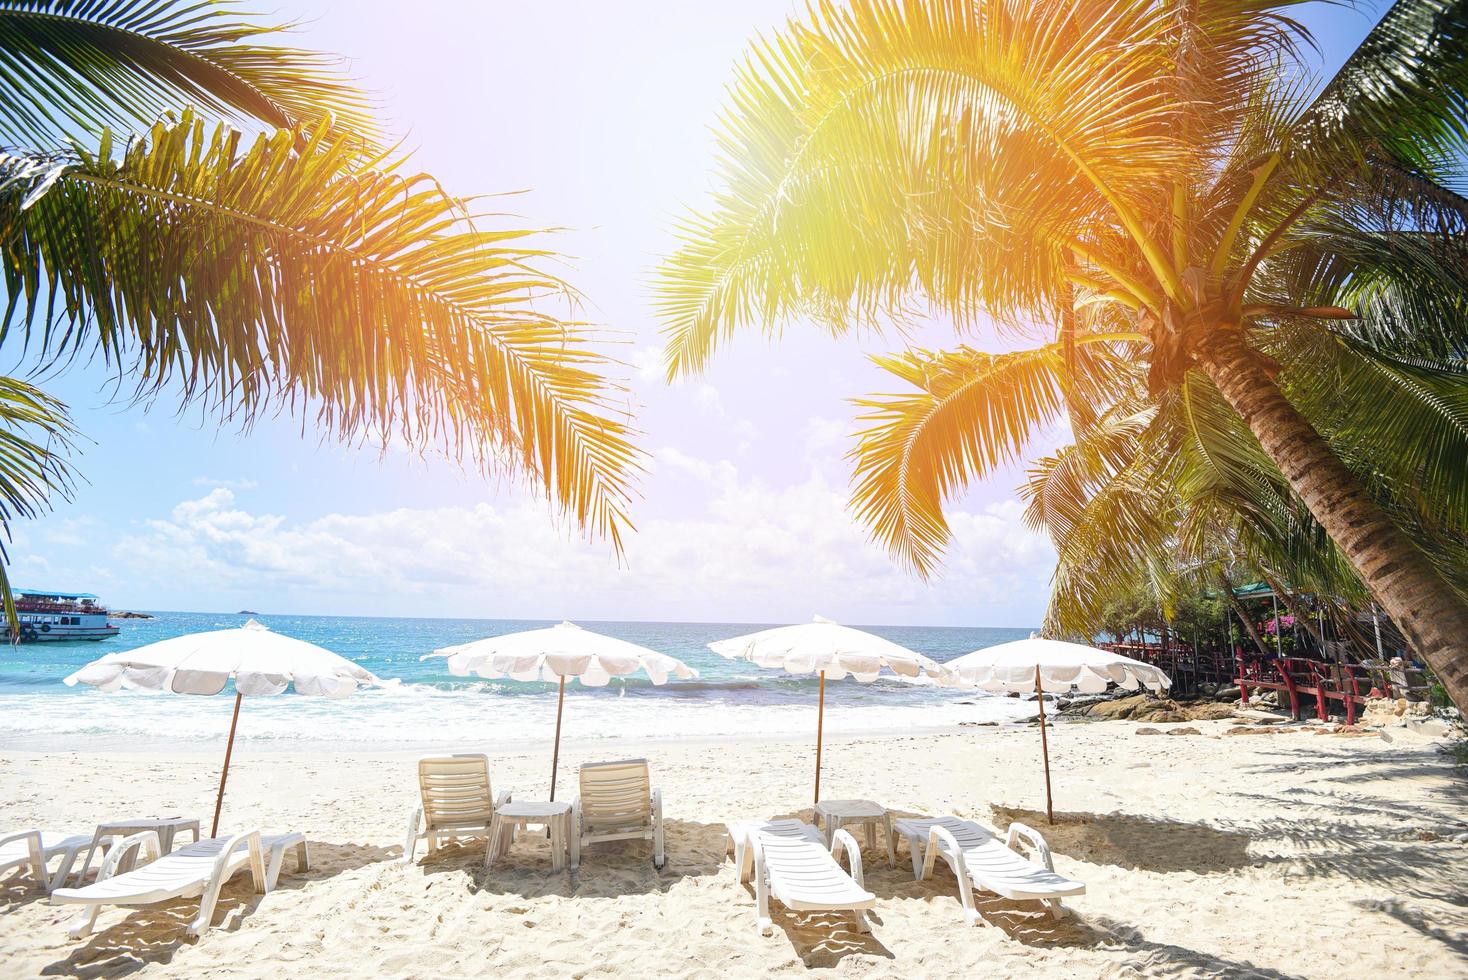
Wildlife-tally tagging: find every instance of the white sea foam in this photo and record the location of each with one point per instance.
(424, 715)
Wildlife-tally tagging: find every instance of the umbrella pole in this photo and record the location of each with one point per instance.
(228, 750)
(820, 726)
(1044, 746)
(556, 754)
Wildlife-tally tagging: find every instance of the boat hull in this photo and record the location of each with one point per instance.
(37, 634)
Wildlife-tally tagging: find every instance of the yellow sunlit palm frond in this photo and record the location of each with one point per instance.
(968, 413)
(942, 151)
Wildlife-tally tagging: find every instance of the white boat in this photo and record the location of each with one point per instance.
(46, 616)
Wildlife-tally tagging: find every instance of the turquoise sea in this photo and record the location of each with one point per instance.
(729, 699)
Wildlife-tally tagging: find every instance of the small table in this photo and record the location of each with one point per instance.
(166, 827)
(556, 817)
(833, 813)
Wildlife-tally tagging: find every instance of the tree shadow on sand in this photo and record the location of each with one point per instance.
(607, 869)
(154, 933)
(1136, 842)
(1152, 959)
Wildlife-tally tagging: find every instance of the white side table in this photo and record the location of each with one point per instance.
(166, 827)
(833, 813)
(556, 817)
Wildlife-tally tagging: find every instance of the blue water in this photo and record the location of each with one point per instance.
(730, 698)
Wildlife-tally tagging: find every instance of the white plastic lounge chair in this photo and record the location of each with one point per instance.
(456, 801)
(977, 858)
(791, 861)
(617, 802)
(200, 869)
(34, 849)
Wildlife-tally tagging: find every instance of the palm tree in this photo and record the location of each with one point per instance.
(210, 214)
(1136, 182)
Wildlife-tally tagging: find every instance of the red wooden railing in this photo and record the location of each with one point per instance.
(1297, 678)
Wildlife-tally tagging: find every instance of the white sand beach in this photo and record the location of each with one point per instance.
(1292, 854)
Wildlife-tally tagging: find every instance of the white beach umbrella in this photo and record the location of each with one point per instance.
(556, 653)
(259, 661)
(1053, 667)
(828, 649)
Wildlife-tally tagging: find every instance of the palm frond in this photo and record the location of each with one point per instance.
(970, 412)
(1402, 94)
(71, 68)
(899, 151)
(1408, 289)
(285, 275)
(36, 438)
(1402, 421)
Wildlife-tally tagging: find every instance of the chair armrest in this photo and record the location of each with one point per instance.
(942, 841)
(1019, 831)
(503, 798)
(222, 859)
(35, 857)
(22, 835)
(853, 854)
(122, 848)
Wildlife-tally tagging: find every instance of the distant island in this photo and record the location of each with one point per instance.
(123, 614)
(247, 612)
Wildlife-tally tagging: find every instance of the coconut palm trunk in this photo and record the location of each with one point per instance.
(1245, 620)
(1432, 617)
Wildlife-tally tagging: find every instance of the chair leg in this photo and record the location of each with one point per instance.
(82, 926)
(491, 847)
(762, 904)
(862, 925)
(410, 846)
(207, 901)
(659, 858)
(272, 870)
(55, 881)
(915, 849)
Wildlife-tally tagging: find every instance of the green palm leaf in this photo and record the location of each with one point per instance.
(70, 68)
(1403, 93)
(283, 274)
(36, 436)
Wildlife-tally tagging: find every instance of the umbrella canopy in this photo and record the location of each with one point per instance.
(1053, 667)
(556, 653)
(824, 647)
(560, 652)
(261, 663)
(1062, 667)
(828, 649)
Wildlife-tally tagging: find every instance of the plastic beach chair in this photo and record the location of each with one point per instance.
(791, 861)
(617, 802)
(198, 869)
(455, 801)
(980, 861)
(34, 849)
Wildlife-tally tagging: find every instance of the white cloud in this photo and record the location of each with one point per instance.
(745, 552)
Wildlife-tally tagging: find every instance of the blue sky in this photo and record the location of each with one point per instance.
(600, 112)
